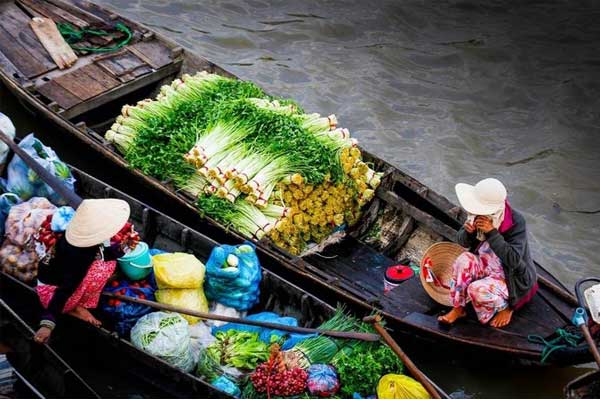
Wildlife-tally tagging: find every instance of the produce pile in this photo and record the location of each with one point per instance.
(254, 365)
(256, 163)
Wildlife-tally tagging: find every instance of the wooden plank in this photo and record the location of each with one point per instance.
(10, 70)
(84, 6)
(437, 226)
(60, 95)
(121, 63)
(141, 70)
(80, 84)
(62, 54)
(122, 90)
(16, 23)
(100, 76)
(55, 13)
(79, 12)
(19, 56)
(153, 53)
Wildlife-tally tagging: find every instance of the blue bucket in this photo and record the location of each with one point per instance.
(137, 264)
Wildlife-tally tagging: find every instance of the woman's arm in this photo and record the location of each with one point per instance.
(466, 238)
(510, 251)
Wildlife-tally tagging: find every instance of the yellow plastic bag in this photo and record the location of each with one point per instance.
(193, 299)
(178, 271)
(393, 386)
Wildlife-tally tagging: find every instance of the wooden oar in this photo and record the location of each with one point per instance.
(369, 337)
(558, 291)
(56, 184)
(412, 368)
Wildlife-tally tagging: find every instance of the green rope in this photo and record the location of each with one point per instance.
(73, 35)
(569, 339)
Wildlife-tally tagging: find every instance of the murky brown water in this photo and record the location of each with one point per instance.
(449, 92)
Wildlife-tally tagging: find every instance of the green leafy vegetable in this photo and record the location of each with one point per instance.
(238, 349)
(361, 369)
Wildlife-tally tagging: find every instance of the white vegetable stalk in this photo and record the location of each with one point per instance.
(218, 138)
(196, 185)
(274, 106)
(315, 124)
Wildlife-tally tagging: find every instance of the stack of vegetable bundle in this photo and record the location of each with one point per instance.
(256, 163)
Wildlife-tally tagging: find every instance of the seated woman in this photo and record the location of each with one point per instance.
(497, 275)
(83, 261)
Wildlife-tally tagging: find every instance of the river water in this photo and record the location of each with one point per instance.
(450, 92)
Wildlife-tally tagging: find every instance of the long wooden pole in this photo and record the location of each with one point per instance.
(557, 290)
(591, 342)
(412, 368)
(369, 337)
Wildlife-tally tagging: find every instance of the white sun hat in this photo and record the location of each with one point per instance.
(485, 198)
(96, 220)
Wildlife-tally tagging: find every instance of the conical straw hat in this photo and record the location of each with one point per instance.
(442, 255)
(96, 220)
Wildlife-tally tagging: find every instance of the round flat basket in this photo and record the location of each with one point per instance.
(442, 255)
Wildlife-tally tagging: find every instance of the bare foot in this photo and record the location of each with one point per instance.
(502, 318)
(84, 314)
(453, 315)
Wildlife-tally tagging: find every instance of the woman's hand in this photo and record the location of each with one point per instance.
(484, 224)
(42, 335)
(470, 228)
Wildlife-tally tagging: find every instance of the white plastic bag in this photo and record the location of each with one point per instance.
(166, 336)
(8, 128)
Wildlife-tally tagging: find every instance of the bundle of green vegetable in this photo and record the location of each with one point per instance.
(154, 134)
(225, 139)
(361, 366)
(321, 349)
(239, 349)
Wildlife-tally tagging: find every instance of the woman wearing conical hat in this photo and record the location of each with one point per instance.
(84, 259)
(497, 275)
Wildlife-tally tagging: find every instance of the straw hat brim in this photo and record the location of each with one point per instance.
(442, 255)
(97, 220)
(469, 201)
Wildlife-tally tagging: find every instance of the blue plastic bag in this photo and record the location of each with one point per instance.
(268, 335)
(7, 200)
(25, 183)
(225, 385)
(125, 315)
(61, 218)
(233, 287)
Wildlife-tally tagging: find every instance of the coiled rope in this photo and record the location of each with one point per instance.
(73, 35)
(563, 340)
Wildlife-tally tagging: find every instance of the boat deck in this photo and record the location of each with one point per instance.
(95, 78)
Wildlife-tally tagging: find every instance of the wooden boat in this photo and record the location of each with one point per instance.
(586, 386)
(40, 372)
(408, 215)
(105, 349)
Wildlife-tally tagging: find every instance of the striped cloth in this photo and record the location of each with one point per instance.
(7, 377)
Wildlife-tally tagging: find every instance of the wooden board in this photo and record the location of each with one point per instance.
(79, 12)
(121, 63)
(19, 56)
(53, 42)
(153, 53)
(60, 95)
(16, 24)
(86, 82)
(97, 73)
(55, 13)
